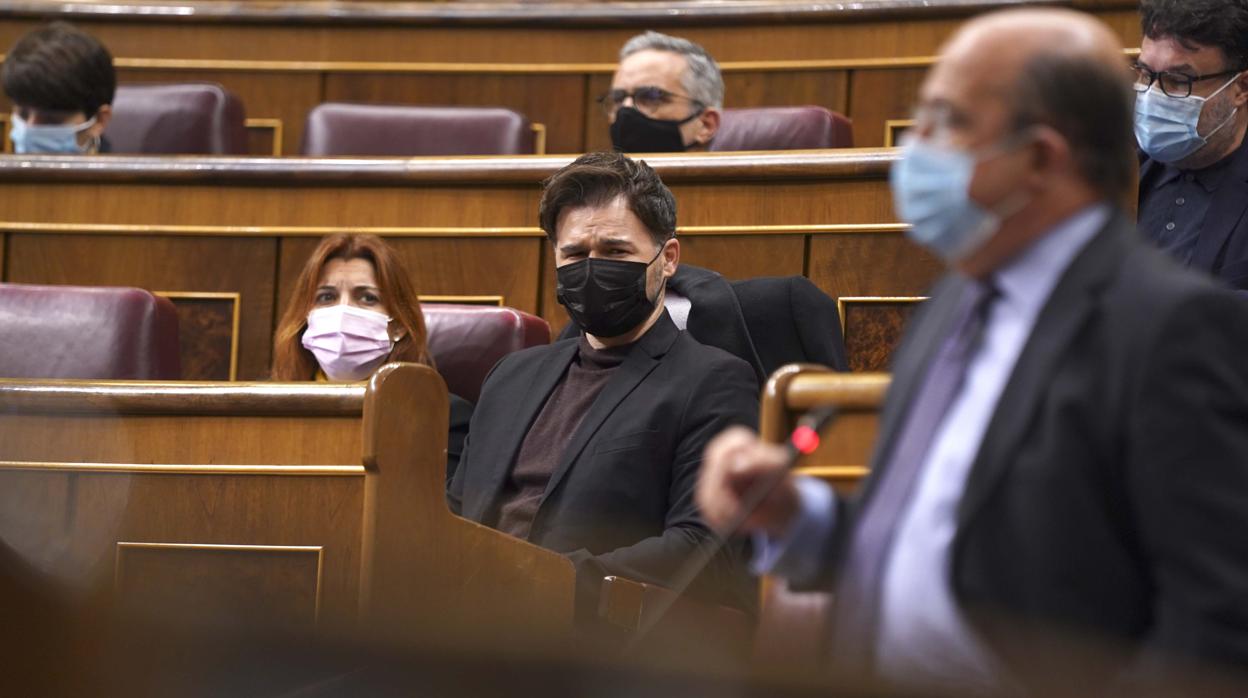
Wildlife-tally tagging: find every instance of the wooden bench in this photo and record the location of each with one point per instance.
(548, 60)
(234, 233)
(291, 505)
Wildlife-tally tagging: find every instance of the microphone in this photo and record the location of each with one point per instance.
(801, 442)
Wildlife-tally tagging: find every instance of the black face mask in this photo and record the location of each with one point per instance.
(606, 297)
(634, 132)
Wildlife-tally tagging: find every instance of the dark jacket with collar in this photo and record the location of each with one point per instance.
(768, 322)
(620, 500)
(1222, 249)
(1109, 497)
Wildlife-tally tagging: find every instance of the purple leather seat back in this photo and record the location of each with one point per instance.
(782, 128)
(467, 340)
(87, 332)
(194, 118)
(336, 128)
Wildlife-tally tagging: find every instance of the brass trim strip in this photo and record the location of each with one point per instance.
(402, 231)
(844, 301)
(273, 124)
(170, 469)
(473, 300)
(539, 138)
(237, 298)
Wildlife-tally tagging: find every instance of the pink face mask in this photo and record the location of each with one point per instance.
(348, 342)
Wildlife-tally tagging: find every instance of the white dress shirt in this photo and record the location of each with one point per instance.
(923, 637)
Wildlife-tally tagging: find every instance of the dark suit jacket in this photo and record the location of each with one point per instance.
(620, 500)
(1222, 249)
(1110, 493)
(768, 322)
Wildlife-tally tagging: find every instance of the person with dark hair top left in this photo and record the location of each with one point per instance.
(61, 82)
(591, 446)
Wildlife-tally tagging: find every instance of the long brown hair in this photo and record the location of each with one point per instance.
(291, 362)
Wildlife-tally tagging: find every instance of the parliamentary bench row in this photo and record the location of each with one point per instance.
(229, 235)
(315, 506)
(548, 61)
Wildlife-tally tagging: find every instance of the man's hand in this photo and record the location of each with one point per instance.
(734, 461)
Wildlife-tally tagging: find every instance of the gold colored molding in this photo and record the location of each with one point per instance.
(891, 127)
(470, 300)
(237, 300)
(168, 469)
(539, 138)
(844, 301)
(436, 231)
(269, 124)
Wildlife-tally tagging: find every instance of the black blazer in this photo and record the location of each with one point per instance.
(1222, 249)
(768, 322)
(1110, 493)
(621, 499)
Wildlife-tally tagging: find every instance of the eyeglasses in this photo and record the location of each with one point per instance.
(1173, 84)
(648, 100)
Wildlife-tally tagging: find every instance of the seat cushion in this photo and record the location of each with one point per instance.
(782, 128)
(87, 332)
(467, 340)
(336, 128)
(184, 119)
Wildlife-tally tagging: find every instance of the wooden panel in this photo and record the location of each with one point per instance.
(873, 328)
(266, 586)
(239, 265)
(871, 264)
(265, 95)
(207, 335)
(553, 100)
(507, 267)
(876, 96)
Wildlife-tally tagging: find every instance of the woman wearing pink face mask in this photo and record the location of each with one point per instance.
(353, 309)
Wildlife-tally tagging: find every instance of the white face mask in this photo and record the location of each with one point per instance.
(348, 342)
(48, 138)
(1166, 127)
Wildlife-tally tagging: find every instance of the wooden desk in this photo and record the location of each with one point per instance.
(287, 505)
(464, 226)
(546, 60)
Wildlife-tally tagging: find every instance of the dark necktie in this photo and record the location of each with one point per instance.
(856, 608)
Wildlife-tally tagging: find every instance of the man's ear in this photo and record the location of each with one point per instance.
(671, 258)
(1052, 153)
(708, 126)
(102, 116)
(1241, 97)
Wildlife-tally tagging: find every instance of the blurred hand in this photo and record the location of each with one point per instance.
(733, 462)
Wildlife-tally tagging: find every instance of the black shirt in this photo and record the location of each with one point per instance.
(1174, 203)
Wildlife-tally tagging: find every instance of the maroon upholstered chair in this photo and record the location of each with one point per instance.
(336, 128)
(782, 128)
(87, 332)
(467, 340)
(194, 118)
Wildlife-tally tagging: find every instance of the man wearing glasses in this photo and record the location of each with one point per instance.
(665, 97)
(1190, 120)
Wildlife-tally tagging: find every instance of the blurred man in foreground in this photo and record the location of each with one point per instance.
(1064, 448)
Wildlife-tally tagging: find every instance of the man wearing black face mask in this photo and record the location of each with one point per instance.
(591, 446)
(665, 97)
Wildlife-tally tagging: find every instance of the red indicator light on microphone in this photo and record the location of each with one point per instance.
(805, 440)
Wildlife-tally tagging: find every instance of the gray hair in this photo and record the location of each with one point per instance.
(702, 79)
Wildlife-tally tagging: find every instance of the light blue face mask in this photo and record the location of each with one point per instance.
(931, 191)
(1165, 126)
(53, 138)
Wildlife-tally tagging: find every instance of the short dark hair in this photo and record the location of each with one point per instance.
(59, 67)
(1219, 23)
(597, 179)
(1090, 104)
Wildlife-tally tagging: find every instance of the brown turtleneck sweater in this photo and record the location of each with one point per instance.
(551, 433)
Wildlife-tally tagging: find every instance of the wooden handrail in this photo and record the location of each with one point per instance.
(180, 398)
